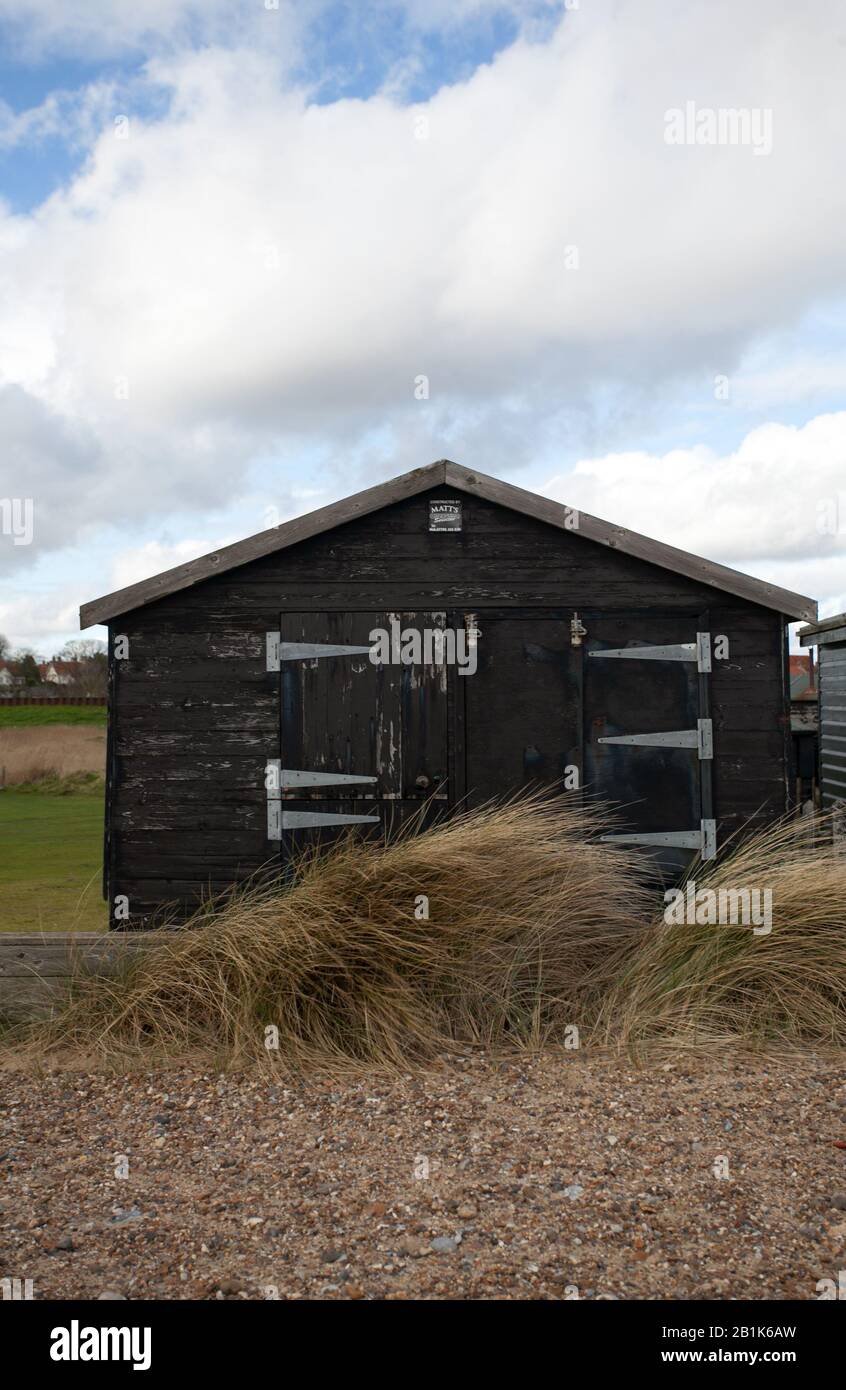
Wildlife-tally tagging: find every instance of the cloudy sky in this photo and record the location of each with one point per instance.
(235, 235)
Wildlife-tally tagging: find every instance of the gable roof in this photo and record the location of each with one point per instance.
(461, 479)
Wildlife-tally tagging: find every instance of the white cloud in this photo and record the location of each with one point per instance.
(142, 562)
(776, 505)
(44, 617)
(39, 622)
(255, 252)
(252, 273)
(800, 379)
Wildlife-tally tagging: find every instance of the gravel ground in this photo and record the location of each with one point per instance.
(558, 1178)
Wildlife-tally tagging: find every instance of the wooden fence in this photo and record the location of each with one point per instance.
(36, 968)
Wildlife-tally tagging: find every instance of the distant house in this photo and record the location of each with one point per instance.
(9, 676)
(59, 672)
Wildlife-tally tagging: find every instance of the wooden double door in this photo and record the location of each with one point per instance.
(613, 704)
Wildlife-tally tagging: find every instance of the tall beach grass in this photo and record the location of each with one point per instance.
(509, 928)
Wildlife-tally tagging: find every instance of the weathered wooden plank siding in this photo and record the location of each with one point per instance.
(196, 717)
(498, 557)
(750, 710)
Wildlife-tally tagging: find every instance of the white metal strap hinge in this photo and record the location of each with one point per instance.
(293, 777)
(301, 820)
(314, 651)
(278, 779)
(704, 839)
(274, 820)
(701, 738)
(273, 787)
(698, 651)
(279, 651)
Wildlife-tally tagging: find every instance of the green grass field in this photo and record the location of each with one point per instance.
(30, 716)
(50, 867)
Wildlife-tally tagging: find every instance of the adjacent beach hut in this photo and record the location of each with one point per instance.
(829, 637)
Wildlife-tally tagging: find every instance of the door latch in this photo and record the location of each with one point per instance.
(473, 632)
(577, 631)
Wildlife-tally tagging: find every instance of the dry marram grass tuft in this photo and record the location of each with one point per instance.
(533, 926)
(526, 910)
(705, 986)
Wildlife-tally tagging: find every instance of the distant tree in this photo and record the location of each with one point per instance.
(81, 649)
(5, 647)
(28, 668)
(91, 674)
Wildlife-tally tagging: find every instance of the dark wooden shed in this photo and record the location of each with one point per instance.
(829, 637)
(246, 713)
